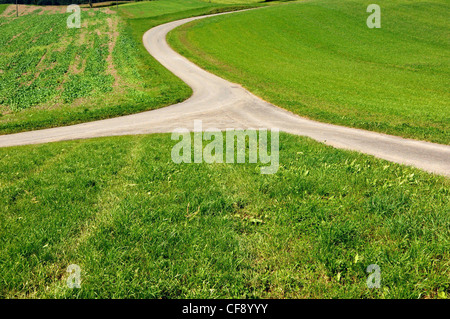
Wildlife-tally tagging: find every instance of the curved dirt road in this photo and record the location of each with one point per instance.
(221, 104)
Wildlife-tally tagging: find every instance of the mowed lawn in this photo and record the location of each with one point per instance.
(320, 60)
(160, 8)
(140, 226)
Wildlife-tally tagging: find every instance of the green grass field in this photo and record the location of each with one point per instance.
(140, 226)
(320, 60)
(149, 9)
(66, 76)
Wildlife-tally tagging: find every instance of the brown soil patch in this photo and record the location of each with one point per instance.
(53, 9)
(108, 11)
(74, 69)
(14, 37)
(113, 35)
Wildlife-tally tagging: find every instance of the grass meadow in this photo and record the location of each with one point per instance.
(141, 226)
(320, 60)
